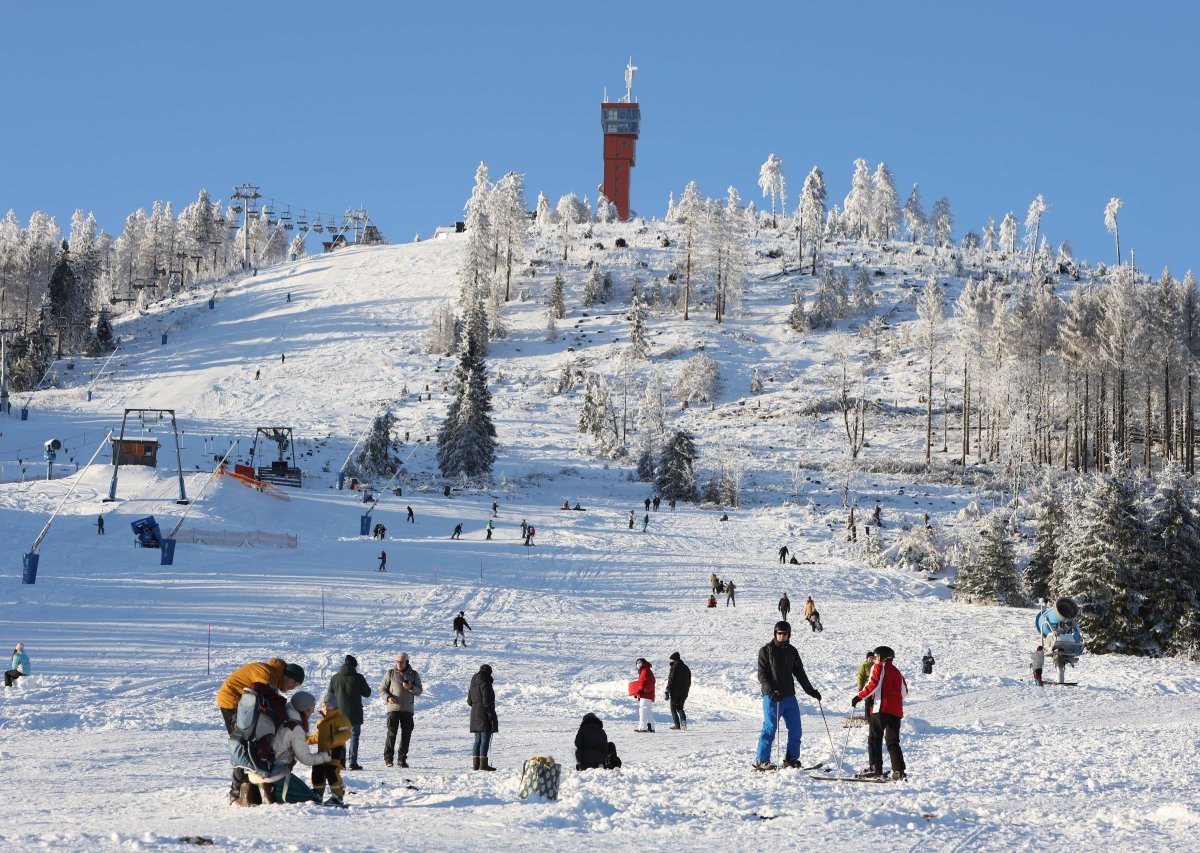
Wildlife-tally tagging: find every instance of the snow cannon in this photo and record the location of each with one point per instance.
(1059, 630)
(147, 532)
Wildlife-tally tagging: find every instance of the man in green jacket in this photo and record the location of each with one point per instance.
(351, 688)
(864, 673)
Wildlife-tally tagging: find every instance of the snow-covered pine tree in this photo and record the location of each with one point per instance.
(443, 329)
(1008, 233)
(545, 215)
(914, 216)
(598, 416)
(943, 223)
(798, 318)
(497, 329)
(690, 213)
(473, 275)
(771, 182)
(593, 288)
(551, 326)
(676, 475)
(378, 456)
(1110, 222)
(1033, 224)
(756, 383)
(606, 212)
(639, 347)
(988, 574)
(862, 300)
(810, 217)
(931, 312)
(63, 298)
(1171, 576)
(989, 235)
(1047, 536)
(296, 248)
(885, 203)
(510, 223)
(466, 444)
(558, 307)
(731, 474)
(858, 205)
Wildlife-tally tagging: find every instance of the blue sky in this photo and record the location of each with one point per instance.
(391, 105)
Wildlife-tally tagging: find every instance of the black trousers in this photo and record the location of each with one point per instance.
(404, 721)
(885, 728)
(330, 774)
(239, 775)
(678, 716)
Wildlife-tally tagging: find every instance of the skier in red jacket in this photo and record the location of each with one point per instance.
(642, 689)
(888, 688)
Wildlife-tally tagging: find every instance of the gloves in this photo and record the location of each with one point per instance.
(817, 695)
(776, 695)
(854, 702)
(667, 696)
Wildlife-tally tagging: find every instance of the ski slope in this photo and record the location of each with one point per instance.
(115, 742)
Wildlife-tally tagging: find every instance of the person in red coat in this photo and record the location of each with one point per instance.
(888, 687)
(642, 689)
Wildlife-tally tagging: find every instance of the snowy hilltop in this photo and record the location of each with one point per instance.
(942, 433)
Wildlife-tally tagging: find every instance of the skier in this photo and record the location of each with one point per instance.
(481, 696)
(889, 686)
(631, 519)
(779, 667)
(333, 730)
(785, 607)
(257, 373)
(457, 534)
(412, 518)
(19, 666)
(289, 299)
(783, 554)
(657, 502)
(460, 622)
(100, 525)
(642, 689)
(679, 684)
(645, 522)
(524, 528)
(861, 679)
(927, 662)
(495, 510)
(489, 529)
(529, 532)
(283, 358)
(1037, 660)
(351, 688)
(729, 590)
(383, 561)
(400, 686)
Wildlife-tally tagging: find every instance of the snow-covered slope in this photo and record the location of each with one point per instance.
(116, 743)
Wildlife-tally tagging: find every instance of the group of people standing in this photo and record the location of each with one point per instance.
(679, 684)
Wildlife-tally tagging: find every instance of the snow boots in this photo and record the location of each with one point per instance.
(870, 773)
(764, 765)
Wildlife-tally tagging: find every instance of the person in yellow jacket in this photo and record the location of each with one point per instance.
(332, 734)
(277, 674)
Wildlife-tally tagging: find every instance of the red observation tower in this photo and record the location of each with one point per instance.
(621, 121)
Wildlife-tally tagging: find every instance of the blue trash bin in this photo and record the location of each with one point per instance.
(29, 564)
(164, 339)
(341, 480)
(89, 396)
(168, 552)
(24, 414)
(212, 303)
(364, 525)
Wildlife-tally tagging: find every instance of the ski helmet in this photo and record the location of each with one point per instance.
(884, 652)
(783, 627)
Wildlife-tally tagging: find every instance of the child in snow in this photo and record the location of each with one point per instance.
(1037, 659)
(333, 731)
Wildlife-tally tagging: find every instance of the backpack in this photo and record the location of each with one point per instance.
(252, 741)
(611, 760)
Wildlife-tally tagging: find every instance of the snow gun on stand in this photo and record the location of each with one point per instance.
(1061, 640)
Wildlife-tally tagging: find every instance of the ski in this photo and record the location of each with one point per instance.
(876, 780)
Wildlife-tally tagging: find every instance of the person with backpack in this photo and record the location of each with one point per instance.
(19, 666)
(400, 686)
(679, 684)
(481, 696)
(888, 687)
(460, 622)
(779, 668)
(591, 743)
(351, 688)
(333, 731)
(785, 607)
(642, 689)
(275, 676)
(290, 746)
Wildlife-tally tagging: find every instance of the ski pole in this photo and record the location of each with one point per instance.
(826, 722)
(775, 748)
(842, 756)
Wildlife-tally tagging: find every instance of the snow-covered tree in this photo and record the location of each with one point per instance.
(466, 443)
(546, 215)
(639, 347)
(931, 312)
(989, 235)
(509, 219)
(558, 308)
(606, 211)
(914, 216)
(859, 203)
(676, 475)
(1008, 233)
(443, 329)
(296, 249)
(810, 219)
(756, 383)
(798, 318)
(1110, 222)
(862, 300)
(378, 455)
(885, 203)
(771, 182)
(1049, 532)
(1033, 224)
(690, 212)
(943, 223)
(699, 378)
(474, 274)
(988, 574)
(593, 288)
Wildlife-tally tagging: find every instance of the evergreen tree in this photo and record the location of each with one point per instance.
(1040, 568)
(989, 235)
(467, 439)
(676, 476)
(1008, 233)
(811, 215)
(943, 223)
(473, 275)
(862, 301)
(914, 216)
(989, 570)
(798, 317)
(756, 383)
(593, 288)
(558, 308)
(771, 182)
(858, 205)
(377, 458)
(545, 213)
(1172, 572)
(885, 203)
(639, 347)
(598, 416)
(64, 298)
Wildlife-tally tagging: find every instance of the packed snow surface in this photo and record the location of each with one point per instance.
(115, 741)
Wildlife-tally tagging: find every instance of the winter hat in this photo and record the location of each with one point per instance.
(870, 653)
(674, 656)
(329, 700)
(295, 672)
(884, 652)
(785, 627)
(352, 661)
(303, 701)
(486, 669)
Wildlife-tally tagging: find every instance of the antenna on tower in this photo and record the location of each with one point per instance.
(629, 69)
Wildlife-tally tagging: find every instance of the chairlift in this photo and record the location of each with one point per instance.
(317, 226)
(236, 208)
(286, 219)
(331, 227)
(302, 222)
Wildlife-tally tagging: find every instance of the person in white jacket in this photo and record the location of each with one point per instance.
(291, 745)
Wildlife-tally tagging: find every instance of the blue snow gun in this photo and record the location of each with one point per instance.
(147, 532)
(1061, 639)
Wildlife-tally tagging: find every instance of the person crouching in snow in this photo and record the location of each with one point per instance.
(591, 743)
(889, 688)
(333, 731)
(642, 689)
(291, 745)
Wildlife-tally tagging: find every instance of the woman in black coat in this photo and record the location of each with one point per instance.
(591, 743)
(482, 699)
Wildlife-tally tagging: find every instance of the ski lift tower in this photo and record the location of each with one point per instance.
(621, 121)
(278, 471)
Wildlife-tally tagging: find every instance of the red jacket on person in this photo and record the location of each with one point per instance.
(643, 686)
(888, 687)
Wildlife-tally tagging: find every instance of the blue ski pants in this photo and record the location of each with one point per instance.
(789, 709)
